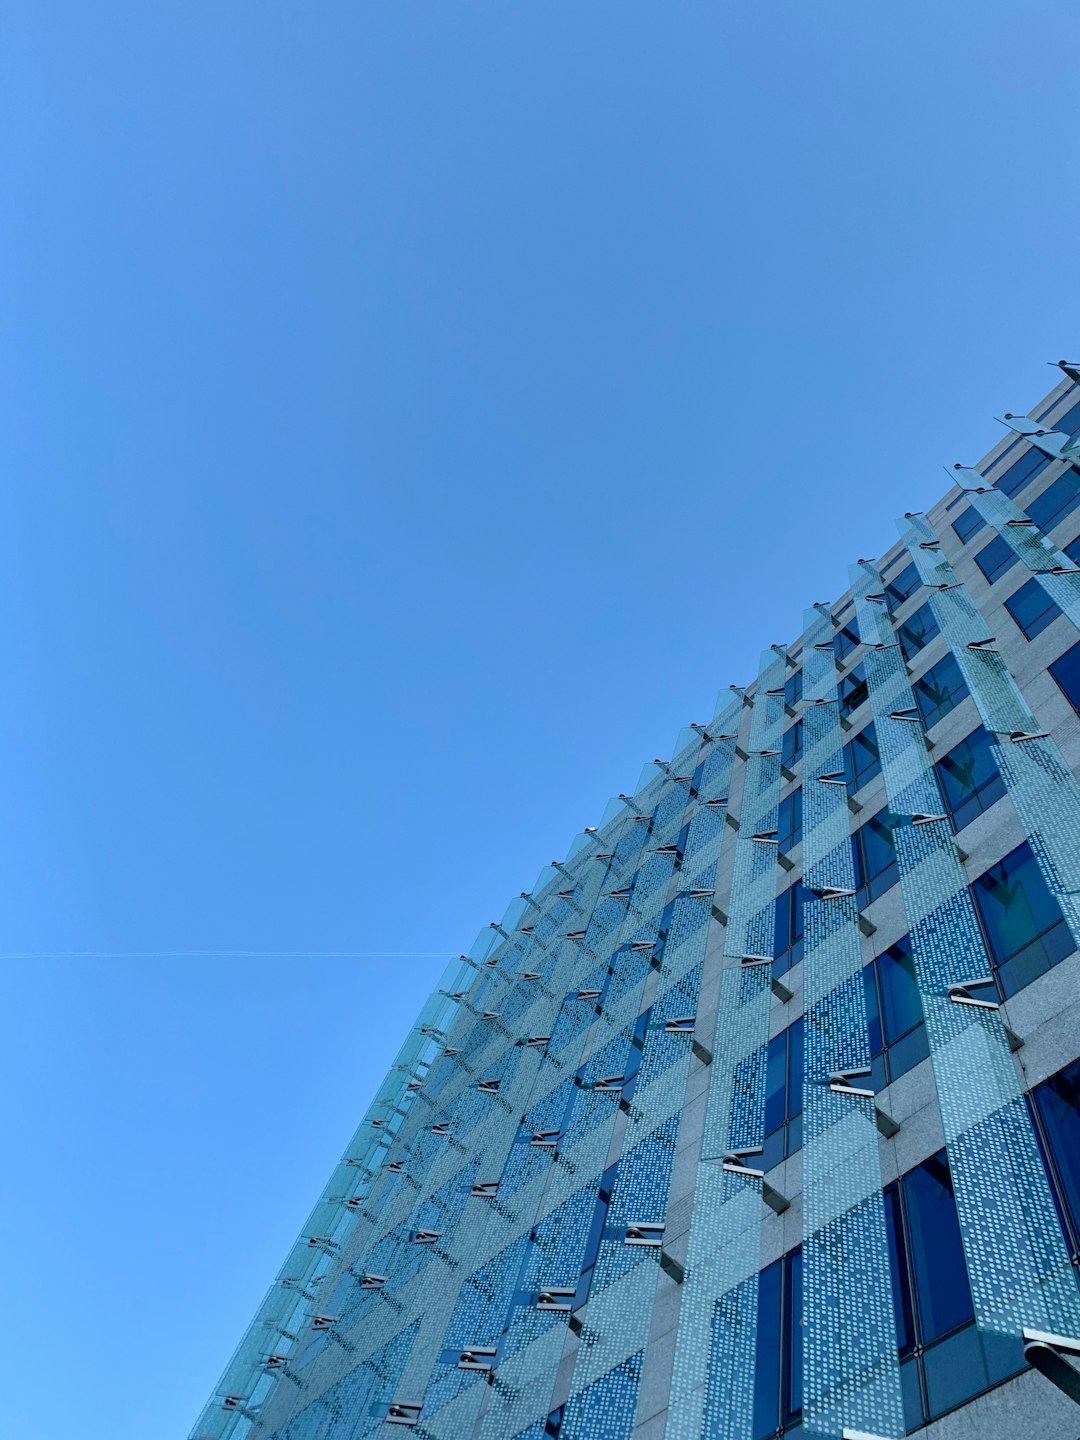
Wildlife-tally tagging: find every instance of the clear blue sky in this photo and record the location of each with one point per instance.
(412, 413)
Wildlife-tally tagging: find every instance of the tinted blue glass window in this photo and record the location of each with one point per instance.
(788, 945)
(968, 523)
(1069, 424)
(790, 821)
(969, 778)
(1057, 1102)
(903, 1302)
(939, 690)
(791, 744)
(793, 1338)
(1066, 671)
(767, 1369)
(996, 559)
(1021, 472)
(1057, 500)
(845, 641)
(902, 586)
(793, 688)
(776, 1083)
(901, 1006)
(1024, 929)
(862, 760)
(875, 856)
(942, 1293)
(1032, 609)
(853, 690)
(917, 630)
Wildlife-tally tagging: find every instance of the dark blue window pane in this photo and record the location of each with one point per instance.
(793, 688)
(875, 855)
(1032, 609)
(767, 1369)
(942, 1294)
(939, 690)
(795, 1069)
(1058, 1103)
(1066, 671)
(902, 586)
(917, 630)
(789, 833)
(969, 778)
(853, 690)
(554, 1422)
(845, 641)
(900, 1003)
(791, 744)
(1024, 928)
(1033, 462)
(1069, 424)
(776, 1083)
(788, 941)
(1058, 500)
(862, 760)
(793, 1338)
(873, 1009)
(996, 559)
(903, 1305)
(968, 523)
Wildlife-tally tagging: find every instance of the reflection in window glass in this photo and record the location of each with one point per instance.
(789, 815)
(862, 759)
(875, 855)
(853, 690)
(788, 939)
(942, 1293)
(1033, 462)
(845, 641)
(1032, 609)
(902, 586)
(996, 559)
(1066, 671)
(791, 744)
(969, 778)
(1057, 500)
(939, 690)
(968, 523)
(917, 630)
(1057, 1102)
(1024, 929)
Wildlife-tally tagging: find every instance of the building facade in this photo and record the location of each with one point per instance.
(759, 1114)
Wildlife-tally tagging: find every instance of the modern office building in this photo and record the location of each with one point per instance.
(758, 1115)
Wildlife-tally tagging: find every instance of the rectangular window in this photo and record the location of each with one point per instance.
(996, 559)
(778, 1367)
(853, 691)
(789, 833)
(1032, 609)
(1069, 424)
(969, 778)
(917, 630)
(788, 940)
(940, 690)
(793, 688)
(1057, 1104)
(1025, 932)
(862, 759)
(895, 1014)
(875, 856)
(844, 642)
(1021, 472)
(783, 1095)
(1066, 671)
(901, 587)
(968, 523)
(1058, 500)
